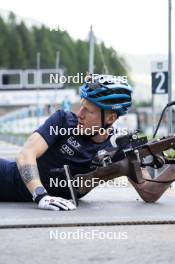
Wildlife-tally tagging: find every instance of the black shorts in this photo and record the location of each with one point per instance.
(12, 188)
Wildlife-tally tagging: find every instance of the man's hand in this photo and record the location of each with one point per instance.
(55, 203)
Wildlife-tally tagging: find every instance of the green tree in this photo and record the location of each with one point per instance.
(44, 46)
(29, 44)
(16, 50)
(82, 56)
(4, 49)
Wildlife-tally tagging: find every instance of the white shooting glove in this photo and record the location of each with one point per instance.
(55, 203)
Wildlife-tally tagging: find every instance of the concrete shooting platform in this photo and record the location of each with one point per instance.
(102, 206)
(141, 232)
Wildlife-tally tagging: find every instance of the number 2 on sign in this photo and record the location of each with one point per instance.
(160, 75)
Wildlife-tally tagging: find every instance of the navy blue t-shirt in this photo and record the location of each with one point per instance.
(77, 151)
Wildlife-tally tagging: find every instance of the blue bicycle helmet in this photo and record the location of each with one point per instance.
(106, 92)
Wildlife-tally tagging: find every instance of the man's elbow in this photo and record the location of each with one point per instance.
(24, 156)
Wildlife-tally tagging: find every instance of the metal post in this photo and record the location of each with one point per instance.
(169, 68)
(38, 59)
(153, 113)
(57, 65)
(91, 51)
(152, 171)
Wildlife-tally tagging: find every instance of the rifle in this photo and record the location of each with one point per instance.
(135, 150)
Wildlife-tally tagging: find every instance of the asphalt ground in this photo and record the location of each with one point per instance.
(130, 245)
(102, 206)
(111, 225)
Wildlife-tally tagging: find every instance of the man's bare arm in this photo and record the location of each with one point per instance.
(29, 172)
(26, 161)
(27, 165)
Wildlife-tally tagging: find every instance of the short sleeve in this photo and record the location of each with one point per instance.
(50, 129)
